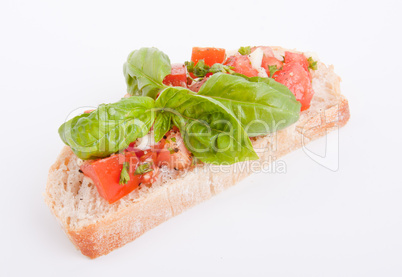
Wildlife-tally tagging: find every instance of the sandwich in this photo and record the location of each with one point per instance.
(183, 133)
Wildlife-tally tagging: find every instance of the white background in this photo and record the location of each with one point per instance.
(59, 55)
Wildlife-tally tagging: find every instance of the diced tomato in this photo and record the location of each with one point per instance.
(241, 64)
(268, 58)
(178, 76)
(174, 154)
(192, 75)
(149, 156)
(88, 111)
(105, 173)
(209, 55)
(298, 80)
(296, 58)
(268, 61)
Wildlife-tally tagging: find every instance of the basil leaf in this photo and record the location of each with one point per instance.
(124, 176)
(261, 104)
(245, 50)
(209, 130)
(143, 168)
(145, 70)
(272, 83)
(162, 125)
(109, 128)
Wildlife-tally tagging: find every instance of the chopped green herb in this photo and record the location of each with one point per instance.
(218, 67)
(171, 151)
(143, 168)
(173, 139)
(124, 176)
(272, 70)
(312, 64)
(199, 70)
(245, 50)
(190, 66)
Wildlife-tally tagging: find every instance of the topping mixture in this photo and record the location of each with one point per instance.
(178, 115)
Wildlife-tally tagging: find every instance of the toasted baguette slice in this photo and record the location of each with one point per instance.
(96, 227)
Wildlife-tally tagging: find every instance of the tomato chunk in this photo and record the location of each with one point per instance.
(209, 55)
(298, 81)
(178, 76)
(105, 173)
(269, 61)
(296, 58)
(268, 58)
(241, 64)
(174, 154)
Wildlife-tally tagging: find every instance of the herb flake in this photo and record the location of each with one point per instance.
(272, 70)
(143, 168)
(312, 64)
(245, 50)
(124, 176)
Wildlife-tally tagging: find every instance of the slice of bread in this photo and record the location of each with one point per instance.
(96, 227)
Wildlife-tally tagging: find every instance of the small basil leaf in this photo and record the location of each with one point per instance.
(209, 130)
(110, 128)
(163, 123)
(261, 104)
(145, 70)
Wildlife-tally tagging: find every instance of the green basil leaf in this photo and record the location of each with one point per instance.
(145, 70)
(109, 128)
(162, 125)
(261, 104)
(209, 130)
(272, 83)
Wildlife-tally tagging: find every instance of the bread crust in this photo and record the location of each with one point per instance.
(331, 111)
